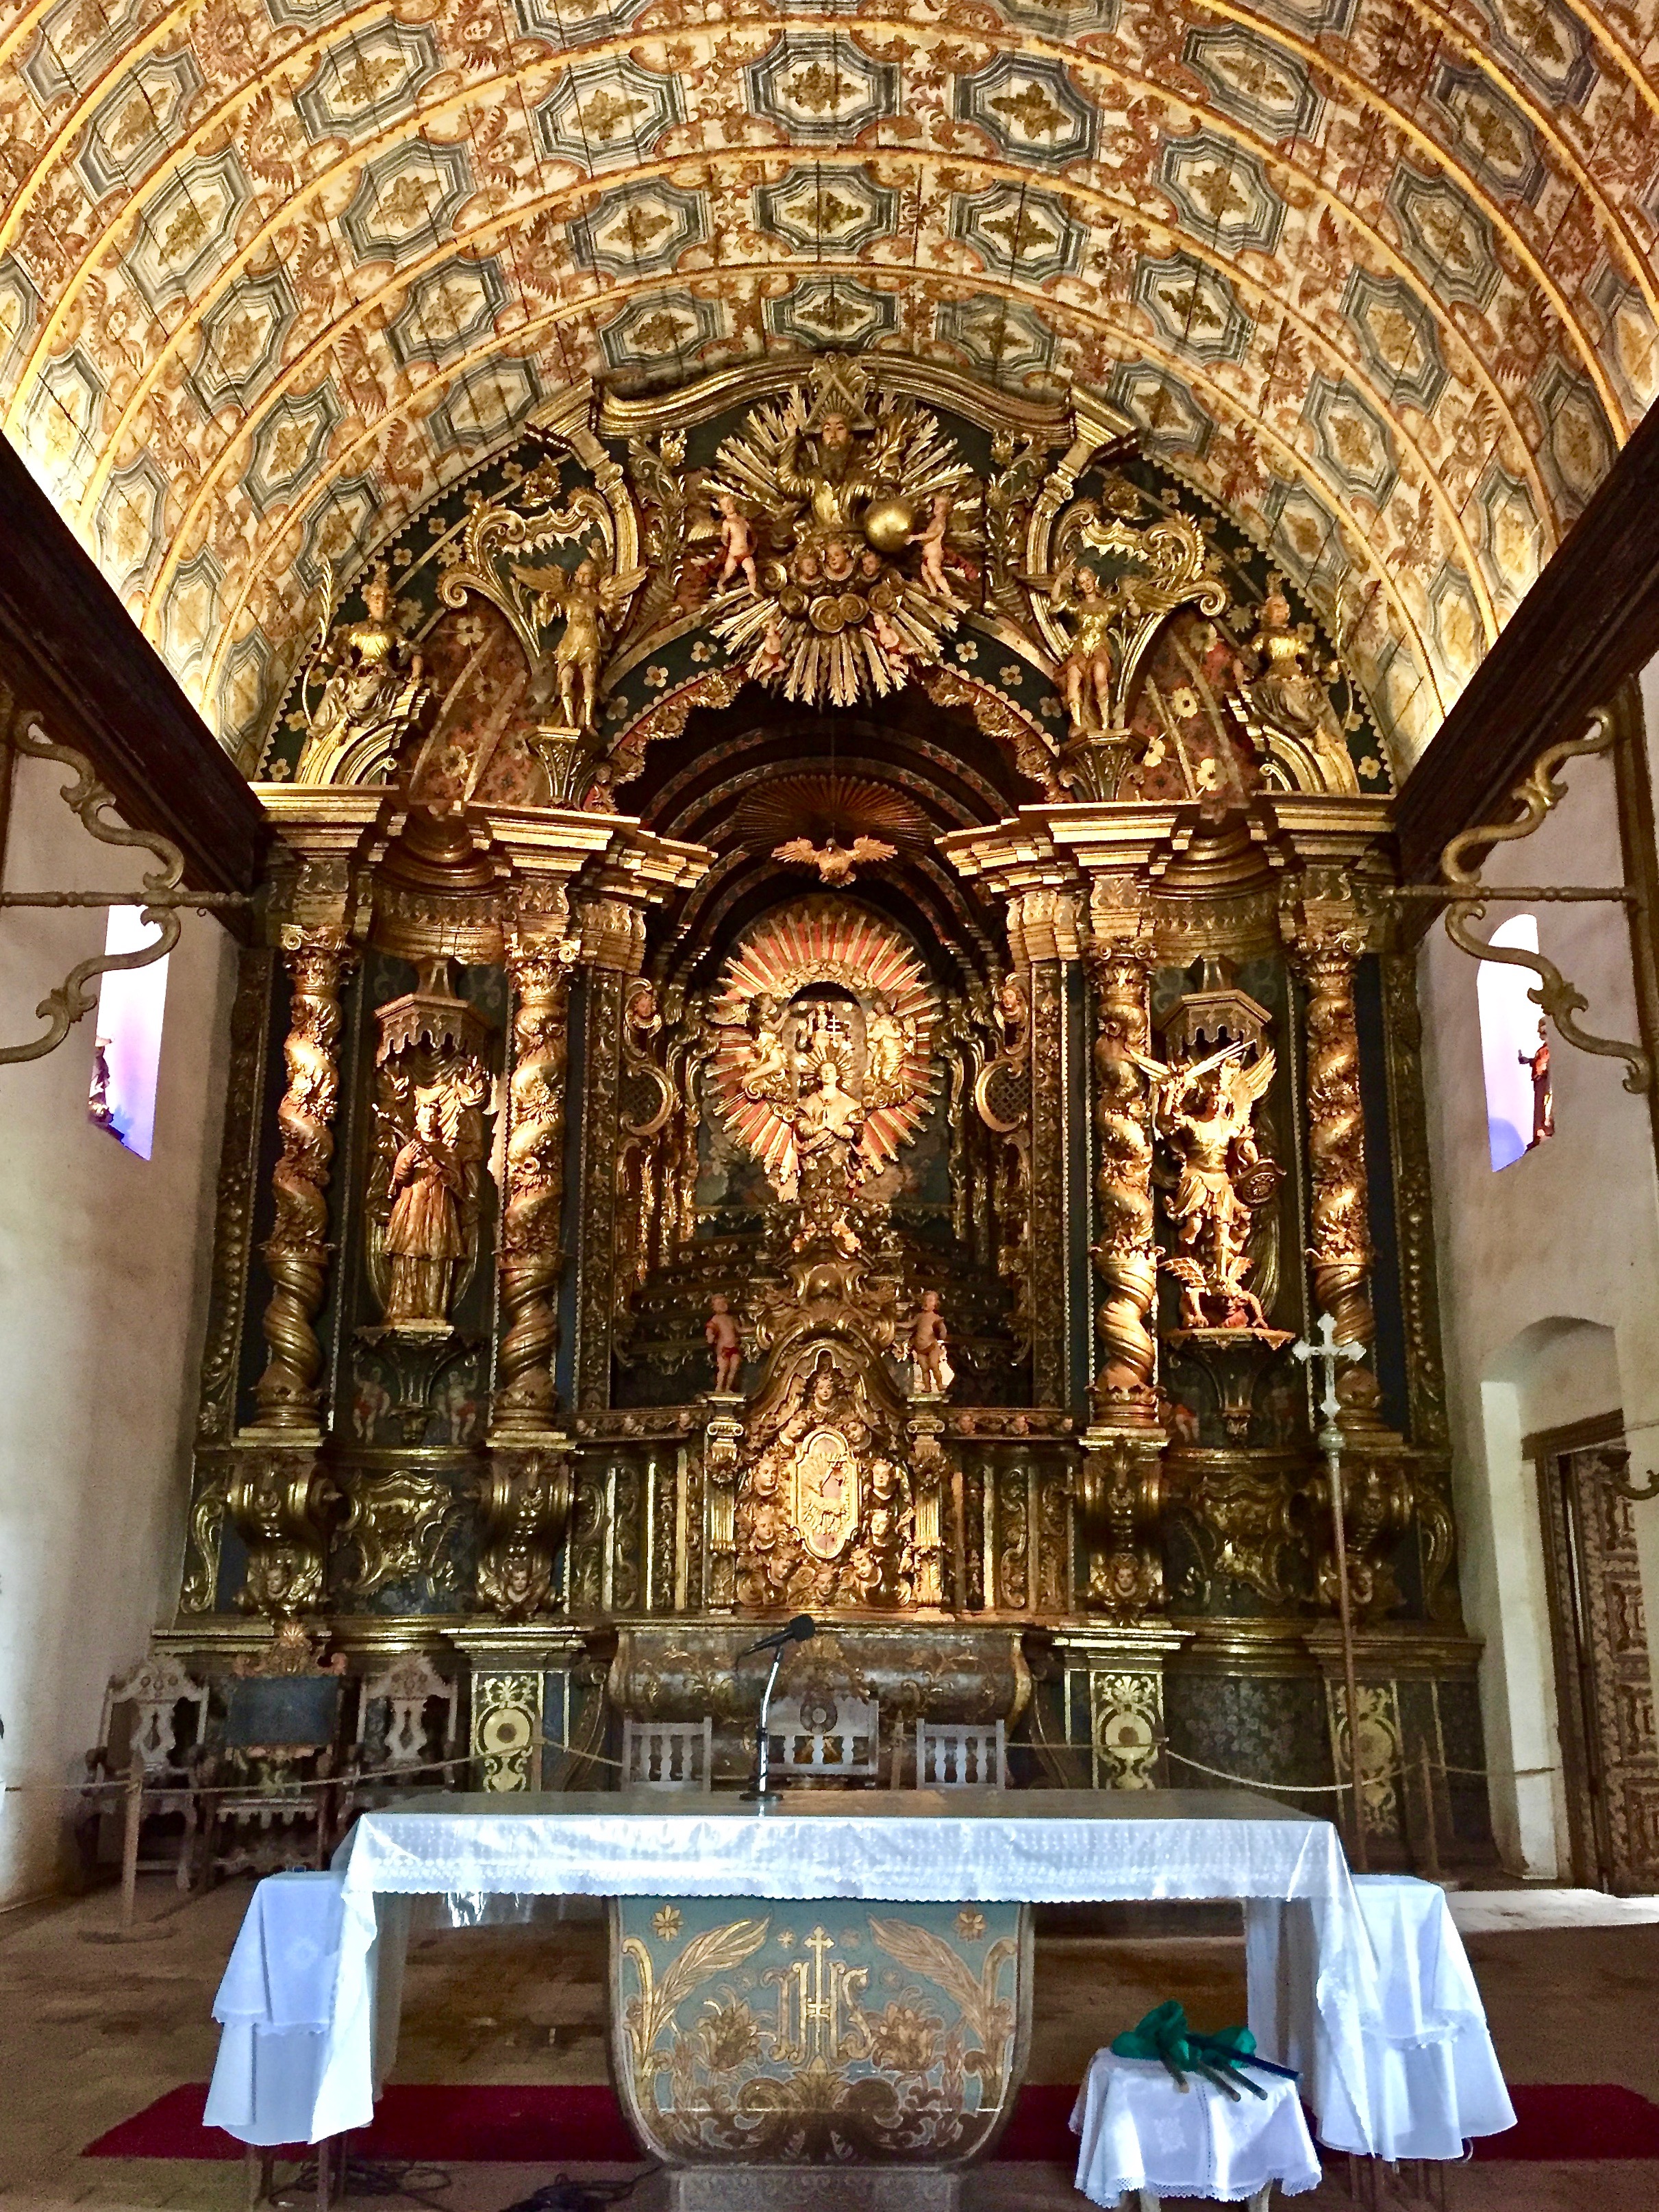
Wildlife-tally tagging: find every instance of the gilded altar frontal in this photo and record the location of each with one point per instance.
(827, 1014)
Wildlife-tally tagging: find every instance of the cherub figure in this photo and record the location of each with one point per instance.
(932, 541)
(589, 600)
(928, 1336)
(725, 1340)
(738, 542)
(767, 1069)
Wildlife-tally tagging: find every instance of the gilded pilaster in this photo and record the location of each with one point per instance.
(722, 1437)
(296, 1251)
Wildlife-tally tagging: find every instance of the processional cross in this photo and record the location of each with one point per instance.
(1328, 1354)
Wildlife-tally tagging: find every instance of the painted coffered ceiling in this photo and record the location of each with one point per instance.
(1379, 275)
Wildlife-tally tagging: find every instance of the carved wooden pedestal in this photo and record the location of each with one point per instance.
(822, 2053)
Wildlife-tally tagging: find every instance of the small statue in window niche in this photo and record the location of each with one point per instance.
(424, 1240)
(1543, 1099)
(928, 1337)
(725, 1340)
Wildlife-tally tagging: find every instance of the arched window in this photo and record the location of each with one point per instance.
(1518, 1108)
(126, 1058)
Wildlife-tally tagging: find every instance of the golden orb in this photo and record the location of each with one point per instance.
(889, 522)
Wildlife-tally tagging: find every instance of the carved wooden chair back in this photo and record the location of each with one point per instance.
(157, 1713)
(668, 1755)
(953, 1755)
(406, 1717)
(839, 1737)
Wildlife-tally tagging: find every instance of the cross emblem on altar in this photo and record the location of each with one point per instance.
(1329, 1352)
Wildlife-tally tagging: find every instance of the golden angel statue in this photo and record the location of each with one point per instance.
(1089, 671)
(1204, 1112)
(769, 1068)
(589, 600)
(1289, 697)
(373, 694)
(836, 864)
(889, 1041)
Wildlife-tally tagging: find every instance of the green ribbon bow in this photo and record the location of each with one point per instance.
(1164, 2035)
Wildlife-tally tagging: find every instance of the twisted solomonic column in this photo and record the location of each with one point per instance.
(1125, 1255)
(533, 1192)
(296, 1252)
(1340, 1252)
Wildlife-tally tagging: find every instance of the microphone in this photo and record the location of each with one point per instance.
(799, 1630)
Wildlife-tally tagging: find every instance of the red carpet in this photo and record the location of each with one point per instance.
(537, 2126)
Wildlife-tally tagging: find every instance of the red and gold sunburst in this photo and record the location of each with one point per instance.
(811, 941)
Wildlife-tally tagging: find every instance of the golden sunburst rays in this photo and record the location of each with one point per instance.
(825, 807)
(843, 612)
(818, 940)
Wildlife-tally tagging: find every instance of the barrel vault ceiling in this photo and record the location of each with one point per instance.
(1379, 275)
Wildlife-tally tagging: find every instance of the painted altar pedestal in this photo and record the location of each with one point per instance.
(821, 2052)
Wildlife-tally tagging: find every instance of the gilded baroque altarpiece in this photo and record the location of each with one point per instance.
(830, 1012)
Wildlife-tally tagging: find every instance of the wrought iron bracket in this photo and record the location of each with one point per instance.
(160, 898)
(1466, 898)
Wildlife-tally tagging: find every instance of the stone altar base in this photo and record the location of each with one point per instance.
(822, 2188)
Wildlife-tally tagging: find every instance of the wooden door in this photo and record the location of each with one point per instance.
(1603, 1678)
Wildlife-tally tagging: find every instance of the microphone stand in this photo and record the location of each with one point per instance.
(757, 1792)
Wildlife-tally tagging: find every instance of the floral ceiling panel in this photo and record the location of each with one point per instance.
(1378, 276)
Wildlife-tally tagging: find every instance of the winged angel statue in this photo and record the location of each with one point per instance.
(1203, 1111)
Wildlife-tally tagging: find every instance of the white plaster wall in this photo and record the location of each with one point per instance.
(1549, 1285)
(103, 1261)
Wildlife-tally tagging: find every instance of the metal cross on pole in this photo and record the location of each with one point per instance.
(1329, 1352)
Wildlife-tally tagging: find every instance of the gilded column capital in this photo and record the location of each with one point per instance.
(524, 1521)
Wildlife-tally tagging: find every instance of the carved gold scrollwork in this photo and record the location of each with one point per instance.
(1378, 1498)
(400, 1524)
(296, 1251)
(1120, 1500)
(281, 1502)
(523, 1520)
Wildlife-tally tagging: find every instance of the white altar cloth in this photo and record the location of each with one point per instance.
(1138, 2130)
(1312, 1966)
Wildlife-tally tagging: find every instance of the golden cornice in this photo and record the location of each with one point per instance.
(980, 402)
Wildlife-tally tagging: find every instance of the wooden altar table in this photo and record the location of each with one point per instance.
(842, 1976)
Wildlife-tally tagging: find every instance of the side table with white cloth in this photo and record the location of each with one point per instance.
(757, 1950)
(1143, 2133)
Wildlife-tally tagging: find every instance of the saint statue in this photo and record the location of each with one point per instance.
(828, 1124)
(372, 698)
(1290, 699)
(424, 1236)
(1088, 672)
(1203, 1112)
(588, 599)
(1543, 1099)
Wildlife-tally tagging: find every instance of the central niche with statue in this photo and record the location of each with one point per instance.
(833, 1010)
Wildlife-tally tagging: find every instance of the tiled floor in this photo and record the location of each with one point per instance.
(92, 2030)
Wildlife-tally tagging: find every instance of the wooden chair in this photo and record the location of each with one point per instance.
(953, 1755)
(668, 1755)
(154, 1720)
(407, 1725)
(820, 1739)
(281, 1743)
